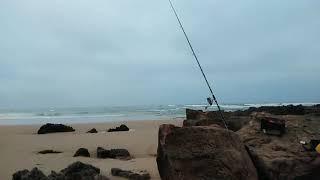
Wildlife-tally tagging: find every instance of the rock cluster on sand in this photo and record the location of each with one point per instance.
(49, 151)
(202, 152)
(93, 130)
(82, 152)
(113, 153)
(122, 127)
(282, 157)
(75, 171)
(54, 128)
(142, 175)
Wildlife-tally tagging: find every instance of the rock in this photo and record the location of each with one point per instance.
(122, 127)
(113, 153)
(93, 130)
(49, 152)
(34, 174)
(202, 152)
(141, 175)
(80, 171)
(272, 125)
(54, 128)
(200, 118)
(103, 153)
(75, 171)
(120, 154)
(82, 152)
(278, 158)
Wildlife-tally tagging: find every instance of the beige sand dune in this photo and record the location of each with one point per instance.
(19, 146)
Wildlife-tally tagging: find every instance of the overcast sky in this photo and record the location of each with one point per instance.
(125, 52)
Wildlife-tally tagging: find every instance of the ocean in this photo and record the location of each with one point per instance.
(108, 114)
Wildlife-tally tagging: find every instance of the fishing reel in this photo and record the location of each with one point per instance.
(210, 102)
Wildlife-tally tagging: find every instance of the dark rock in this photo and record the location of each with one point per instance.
(49, 152)
(120, 154)
(142, 175)
(113, 153)
(82, 152)
(93, 130)
(80, 171)
(122, 127)
(202, 152)
(278, 158)
(278, 110)
(54, 128)
(103, 153)
(200, 118)
(272, 125)
(75, 171)
(34, 174)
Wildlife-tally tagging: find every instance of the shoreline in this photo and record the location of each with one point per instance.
(20, 144)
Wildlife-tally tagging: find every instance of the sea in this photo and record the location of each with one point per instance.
(78, 115)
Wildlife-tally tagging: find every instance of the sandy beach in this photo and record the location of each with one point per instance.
(20, 144)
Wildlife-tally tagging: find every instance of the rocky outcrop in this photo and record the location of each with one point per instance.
(54, 128)
(122, 127)
(93, 130)
(201, 118)
(278, 158)
(75, 171)
(113, 153)
(141, 175)
(82, 152)
(49, 151)
(201, 152)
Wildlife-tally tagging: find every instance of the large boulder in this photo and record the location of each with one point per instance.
(202, 152)
(54, 128)
(278, 158)
(82, 152)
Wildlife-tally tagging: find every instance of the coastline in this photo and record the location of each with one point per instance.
(20, 144)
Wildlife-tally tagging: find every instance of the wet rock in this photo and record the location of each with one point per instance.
(103, 153)
(202, 152)
(49, 151)
(82, 152)
(93, 130)
(141, 175)
(122, 127)
(34, 174)
(54, 128)
(278, 158)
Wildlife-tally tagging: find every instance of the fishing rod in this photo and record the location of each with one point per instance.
(199, 65)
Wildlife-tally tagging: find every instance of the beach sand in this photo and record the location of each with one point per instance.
(19, 146)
